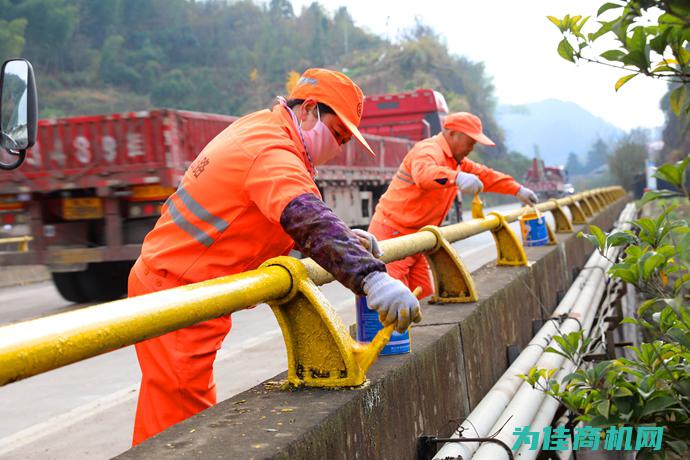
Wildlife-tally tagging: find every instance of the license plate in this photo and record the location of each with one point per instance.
(151, 192)
(82, 208)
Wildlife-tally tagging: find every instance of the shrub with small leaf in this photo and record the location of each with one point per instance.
(653, 386)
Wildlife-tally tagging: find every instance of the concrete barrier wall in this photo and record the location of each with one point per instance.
(458, 352)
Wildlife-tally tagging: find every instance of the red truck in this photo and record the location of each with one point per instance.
(547, 181)
(92, 186)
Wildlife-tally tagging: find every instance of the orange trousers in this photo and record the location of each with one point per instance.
(412, 270)
(177, 368)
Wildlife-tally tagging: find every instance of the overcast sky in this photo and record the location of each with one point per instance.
(518, 46)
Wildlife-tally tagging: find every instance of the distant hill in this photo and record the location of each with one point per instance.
(556, 127)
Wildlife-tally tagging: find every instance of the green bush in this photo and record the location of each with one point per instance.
(652, 388)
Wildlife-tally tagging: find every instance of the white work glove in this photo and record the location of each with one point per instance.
(394, 302)
(369, 242)
(469, 183)
(527, 196)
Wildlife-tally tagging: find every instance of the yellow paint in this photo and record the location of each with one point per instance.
(453, 282)
(22, 242)
(320, 350)
(509, 249)
(477, 207)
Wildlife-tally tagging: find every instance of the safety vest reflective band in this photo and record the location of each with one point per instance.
(199, 212)
(405, 177)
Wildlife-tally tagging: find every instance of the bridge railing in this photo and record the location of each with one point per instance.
(320, 349)
(15, 243)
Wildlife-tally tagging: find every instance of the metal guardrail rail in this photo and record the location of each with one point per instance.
(320, 349)
(22, 242)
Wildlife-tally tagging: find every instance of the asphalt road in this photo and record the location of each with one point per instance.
(86, 410)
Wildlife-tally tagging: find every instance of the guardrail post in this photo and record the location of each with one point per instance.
(592, 202)
(452, 280)
(611, 195)
(586, 206)
(320, 351)
(598, 199)
(563, 224)
(576, 211)
(508, 247)
(551, 234)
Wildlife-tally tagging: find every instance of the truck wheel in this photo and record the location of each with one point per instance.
(105, 281)
(67, 284)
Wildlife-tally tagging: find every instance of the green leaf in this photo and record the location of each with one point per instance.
(680, 336)
(670, 173)
(578, 27)
(684, 247)
(663, 68)
(659, 43)
(669, 19)
(638, 40)
(623, 80)
(607, 6)
(623, 391)
(634, 251)
(657, 194)
(647, 226)
(605, 28)
(599, 235)
(626, 274)
(604, 407)
(566, 51)
(677, 99)
(619, 238)
(613, 55)
(556, 21)
(657, 404)
(650, 262)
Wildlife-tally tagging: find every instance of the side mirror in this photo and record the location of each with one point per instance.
(18, 111)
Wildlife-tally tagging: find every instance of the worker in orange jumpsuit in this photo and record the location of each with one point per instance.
(422, 190)
(250, 196)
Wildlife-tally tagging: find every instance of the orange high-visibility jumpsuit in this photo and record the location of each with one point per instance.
(208, 228)
(421, 193)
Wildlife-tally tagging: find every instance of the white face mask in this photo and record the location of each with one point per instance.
(320, 142)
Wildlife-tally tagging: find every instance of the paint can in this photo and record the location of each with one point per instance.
(533, 228)
(368, 325)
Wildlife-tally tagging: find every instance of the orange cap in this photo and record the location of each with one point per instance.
(338, 92)
(467, 123)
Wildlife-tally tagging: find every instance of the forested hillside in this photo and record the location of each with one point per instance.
(217, 56)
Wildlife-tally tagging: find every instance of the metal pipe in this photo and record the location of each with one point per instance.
(489, 409)
(480, 422)
(522, 408)
(31, 347)
(544, 416)
(40, 345)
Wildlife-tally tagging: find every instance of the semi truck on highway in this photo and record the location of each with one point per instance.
(547, 181)
(92, 186)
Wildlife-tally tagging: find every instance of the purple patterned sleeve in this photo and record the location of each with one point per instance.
(321, 235)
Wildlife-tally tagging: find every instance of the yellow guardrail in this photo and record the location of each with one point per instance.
(320, 349)
(21, 241)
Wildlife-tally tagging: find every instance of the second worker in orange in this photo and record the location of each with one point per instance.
(422, 190)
